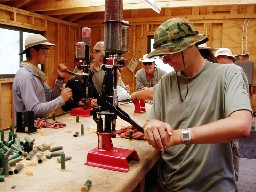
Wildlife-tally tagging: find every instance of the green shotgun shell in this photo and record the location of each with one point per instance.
(39, 158)
(130, 134)
(15, 155)
(76, 134)
(1, 178)
(31, 154)
(82, 129)
(27, 139)
(48, 155)
(13, 161)
(66, 158)
(10, 136)
(2, 135)
(11, 129)
(62, 160)
(18, 168)
(86, 186)
(10, 171)
(57, 148)
(77, 119)
(54, 116)
(56, 153)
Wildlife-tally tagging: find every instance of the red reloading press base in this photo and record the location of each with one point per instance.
(80, 111)
(108, 157)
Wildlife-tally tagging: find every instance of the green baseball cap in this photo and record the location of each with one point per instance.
(174, 36)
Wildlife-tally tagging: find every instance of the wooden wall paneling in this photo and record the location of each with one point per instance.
(216, 33)
(6, 107)
(232, 40)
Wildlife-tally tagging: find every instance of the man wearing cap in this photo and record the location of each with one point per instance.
(149, 75)
(30, 92)
(197, 110)
(224, 56)
(96, 68)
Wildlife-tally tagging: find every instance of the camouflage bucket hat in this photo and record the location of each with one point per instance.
(175, 35)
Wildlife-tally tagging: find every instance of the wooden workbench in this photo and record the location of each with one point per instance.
(48, 175)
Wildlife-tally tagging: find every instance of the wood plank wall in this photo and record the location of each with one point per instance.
(63, 34)
(222, 24)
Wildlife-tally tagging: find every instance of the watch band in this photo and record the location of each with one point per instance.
(186, 137)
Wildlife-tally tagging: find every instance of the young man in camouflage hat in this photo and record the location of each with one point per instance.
(198, 109)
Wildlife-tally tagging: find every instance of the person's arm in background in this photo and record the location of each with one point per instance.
(147, 94)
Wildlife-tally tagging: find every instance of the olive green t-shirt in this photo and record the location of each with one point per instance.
(214, 93)
(97, 78)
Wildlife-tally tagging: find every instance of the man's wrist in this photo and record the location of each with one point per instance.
(62, 80)
(186, 136)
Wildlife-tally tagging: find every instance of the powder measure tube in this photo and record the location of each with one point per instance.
(86, 186)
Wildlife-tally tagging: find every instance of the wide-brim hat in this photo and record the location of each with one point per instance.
(145, 59)
(204, 46)
(35, 39)
(99, 46)
(174, 36)
(226, 52)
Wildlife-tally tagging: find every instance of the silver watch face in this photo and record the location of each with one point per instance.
(185, 135)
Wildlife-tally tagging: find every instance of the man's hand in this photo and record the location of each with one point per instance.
(158, 134)
(94, 103)
(66, 94)
(61, 70)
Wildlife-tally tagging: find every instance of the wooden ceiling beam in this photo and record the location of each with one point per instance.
(20, 3)
(60, 7)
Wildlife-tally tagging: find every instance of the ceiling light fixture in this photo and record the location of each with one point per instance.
(152, 4)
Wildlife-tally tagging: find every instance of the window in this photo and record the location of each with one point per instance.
(158, 61)
(12, 43)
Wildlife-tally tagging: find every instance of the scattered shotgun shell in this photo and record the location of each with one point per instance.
(2, 135)
(62, 160)
(76, 134)
(54, 116)
(66, 158)
(13, 161)
(57, 148)
(1, 178)
(77, 119)
(82, 129)
(10, 171)
(130, 134)
(86, 186)
(18, 168)
(56, 153)
(48, 155)
(39, 158)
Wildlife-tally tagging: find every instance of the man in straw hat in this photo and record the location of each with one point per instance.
(197, 110)
(149, 75)
(98, 73)
(30, 92)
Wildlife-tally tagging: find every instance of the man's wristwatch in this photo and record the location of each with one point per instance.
(186, 137)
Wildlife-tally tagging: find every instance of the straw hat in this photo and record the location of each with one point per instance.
(145, 59)
(35, 39)
(99, 46)
(204, 46)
